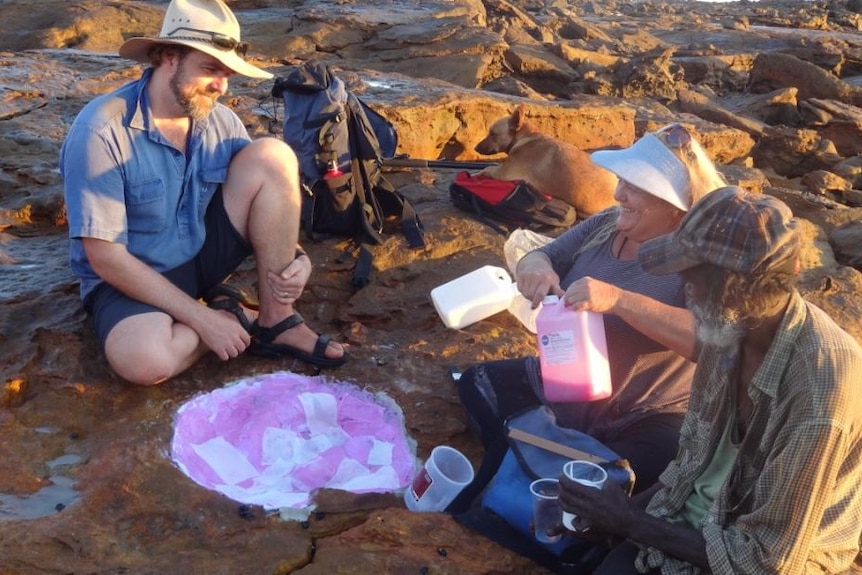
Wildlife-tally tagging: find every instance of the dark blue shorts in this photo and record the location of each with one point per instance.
(223, 251)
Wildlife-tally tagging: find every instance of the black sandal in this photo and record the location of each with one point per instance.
(264, 346)
(234, 293)
(231, 302)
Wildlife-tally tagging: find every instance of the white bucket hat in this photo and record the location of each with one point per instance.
(205, 25)
(650, 165)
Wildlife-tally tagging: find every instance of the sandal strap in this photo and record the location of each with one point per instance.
(234, 293)
(321, 344)
(234, 307)
(268, 334)
(226, 304)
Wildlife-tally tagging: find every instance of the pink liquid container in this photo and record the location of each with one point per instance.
(573, 353)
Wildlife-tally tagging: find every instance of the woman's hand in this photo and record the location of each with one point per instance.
(589, 294)
(537, 278)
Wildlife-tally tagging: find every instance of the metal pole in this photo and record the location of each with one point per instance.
(452, 164)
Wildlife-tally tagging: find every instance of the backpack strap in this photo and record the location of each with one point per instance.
(362, 270)
(370, 225)
(412, 227)
(494, 454)
(480, 215)
(394, 203)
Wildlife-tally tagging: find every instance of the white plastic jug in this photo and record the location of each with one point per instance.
(573, 353)
(473, 296)
(522, 308)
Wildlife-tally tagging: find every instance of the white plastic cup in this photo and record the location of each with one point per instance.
(546, 509)
(586, 473)
(446, 472)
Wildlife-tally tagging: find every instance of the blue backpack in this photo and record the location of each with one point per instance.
(341, 143)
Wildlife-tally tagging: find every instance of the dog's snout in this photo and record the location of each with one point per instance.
(485, 147)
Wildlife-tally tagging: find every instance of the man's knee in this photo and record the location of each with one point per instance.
(265, 166)
(269, 154)
(137, 357)
(141, 370)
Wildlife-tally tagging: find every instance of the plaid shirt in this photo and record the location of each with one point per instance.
(792, 502)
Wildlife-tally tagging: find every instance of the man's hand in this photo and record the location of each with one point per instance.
(608, 510)
(288, 285)
(222, 333)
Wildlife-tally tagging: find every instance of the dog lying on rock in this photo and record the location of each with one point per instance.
(553, 167)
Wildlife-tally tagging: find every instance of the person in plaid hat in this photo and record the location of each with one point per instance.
(767, 476)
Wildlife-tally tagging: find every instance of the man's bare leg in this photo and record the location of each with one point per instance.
(148, 348)
(263, 200)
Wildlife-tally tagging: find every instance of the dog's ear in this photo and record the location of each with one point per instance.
(519, 116)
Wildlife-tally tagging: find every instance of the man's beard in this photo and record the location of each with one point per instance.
(196, 103)
(719, 327)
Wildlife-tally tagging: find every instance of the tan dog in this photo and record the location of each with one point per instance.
(553, 167)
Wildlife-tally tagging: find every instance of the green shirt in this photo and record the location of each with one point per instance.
(710, 481)
(792, 502)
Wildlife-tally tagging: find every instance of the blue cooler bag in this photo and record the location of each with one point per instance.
(539, 448)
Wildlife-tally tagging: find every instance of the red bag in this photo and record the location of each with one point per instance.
(512, 203)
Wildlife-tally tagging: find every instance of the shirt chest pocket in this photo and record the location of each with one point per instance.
(212, 179)
(146, 205)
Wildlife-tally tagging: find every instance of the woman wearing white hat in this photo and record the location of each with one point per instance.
(166, 195)
(651, 338)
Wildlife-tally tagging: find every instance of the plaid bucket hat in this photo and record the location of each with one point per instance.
(205, 25)
(731, 229)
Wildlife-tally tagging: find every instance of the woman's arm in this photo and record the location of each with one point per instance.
(536, 277)
(673, 327)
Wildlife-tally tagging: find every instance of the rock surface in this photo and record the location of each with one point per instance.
(771, 88)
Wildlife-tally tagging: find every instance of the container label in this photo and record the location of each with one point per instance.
(421, 483)
(558, 347)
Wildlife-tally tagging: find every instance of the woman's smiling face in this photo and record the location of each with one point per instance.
(643, 216)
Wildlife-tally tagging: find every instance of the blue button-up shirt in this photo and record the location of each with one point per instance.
(125, 183)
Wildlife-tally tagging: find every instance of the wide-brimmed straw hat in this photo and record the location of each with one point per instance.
(205, 25)
(651, 166)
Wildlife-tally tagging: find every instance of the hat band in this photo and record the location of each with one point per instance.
(217, 39)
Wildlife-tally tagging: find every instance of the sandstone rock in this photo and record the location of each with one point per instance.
(774, 108)
(824, 183)
(588, 58)
(839, 122)
(847, 242)
(775, 70)
(794, 152)
(717, 71)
